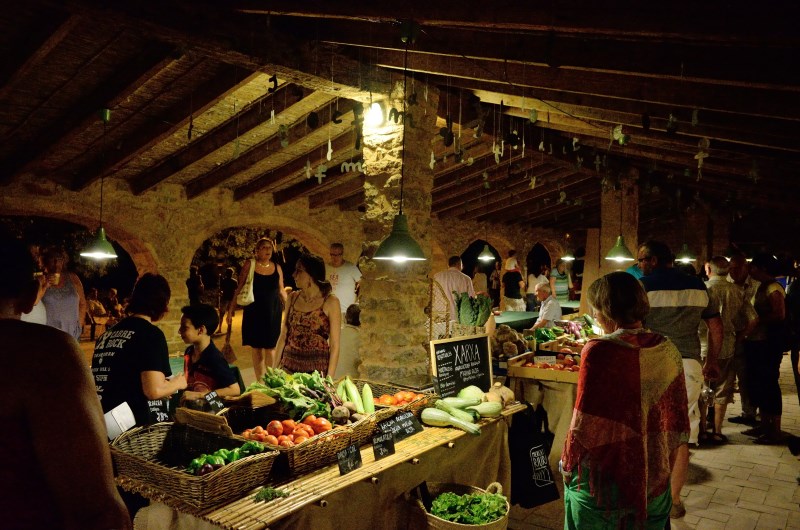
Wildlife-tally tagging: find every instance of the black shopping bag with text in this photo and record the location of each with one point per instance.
(529, 442)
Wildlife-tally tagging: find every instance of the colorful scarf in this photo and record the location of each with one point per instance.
(630, 414)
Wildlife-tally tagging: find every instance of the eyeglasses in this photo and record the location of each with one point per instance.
(335, 255)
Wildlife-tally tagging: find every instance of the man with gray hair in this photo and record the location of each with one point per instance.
(738, 318)
(550, 310)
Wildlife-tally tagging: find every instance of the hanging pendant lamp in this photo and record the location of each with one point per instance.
(486, 254)
(400, 246)
(620, 253)
(685, 255)
(101, 248)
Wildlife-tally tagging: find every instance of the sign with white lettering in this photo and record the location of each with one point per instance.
(460, 362)
(349, 459)
(214, 401)
(383, 445)
(401, 425)
(158, 410)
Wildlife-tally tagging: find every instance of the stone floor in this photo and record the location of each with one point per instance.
(737, 486)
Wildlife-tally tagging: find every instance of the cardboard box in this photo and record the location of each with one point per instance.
(543, 374)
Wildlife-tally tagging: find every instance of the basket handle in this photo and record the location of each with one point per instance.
(495, 487)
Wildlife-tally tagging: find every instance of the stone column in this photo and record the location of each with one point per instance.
(393, 296)
(618, 198)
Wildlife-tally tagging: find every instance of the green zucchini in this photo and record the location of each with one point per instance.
(463, 415)
(439, 418)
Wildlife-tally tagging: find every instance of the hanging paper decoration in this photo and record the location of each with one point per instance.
(533, 116)
(433, 160)
(550, 152)
(470, 160)
(498, 152)
(348, 167)
(329, 154)
(336, 117)
(320, 174)
(308, 169)
(672, 124)
(703, 144)
(274, 81)
(272, 117)
(619, 136)
(579, 163)
(541, 146)
(562, 196)
(563, 149)
(283, 135)
(597, 163)
(575, 145)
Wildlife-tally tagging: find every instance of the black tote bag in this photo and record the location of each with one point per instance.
(529, 442)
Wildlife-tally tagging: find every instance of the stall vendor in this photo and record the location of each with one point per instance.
(550, 309)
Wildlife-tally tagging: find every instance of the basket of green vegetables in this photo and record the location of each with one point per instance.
(456, 506)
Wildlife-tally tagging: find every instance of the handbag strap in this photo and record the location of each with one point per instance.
(251, 273)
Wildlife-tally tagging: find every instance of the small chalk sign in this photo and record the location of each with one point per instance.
(214, 401)
(383, 445)
(461, 362)
(349, 459)
(401, 425)
(158, 410)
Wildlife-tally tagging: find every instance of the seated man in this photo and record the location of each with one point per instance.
(204, 365)
(550, 309)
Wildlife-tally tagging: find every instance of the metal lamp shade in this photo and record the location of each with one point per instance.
(100, 248)
(399, 246)
(619, 252)
(486, 254)
(685, 255)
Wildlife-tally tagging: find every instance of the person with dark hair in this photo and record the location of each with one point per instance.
(630, 417)
(261, 320)
(677, 305)
(312, 322)
(63, 298)
(58, 471)
(561, 281)
(204, 365)
(350, 343)
(131, 360)
(194, 285)
(763, 350)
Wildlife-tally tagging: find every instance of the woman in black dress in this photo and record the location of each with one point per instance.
(261, 320)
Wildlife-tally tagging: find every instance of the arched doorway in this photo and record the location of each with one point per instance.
(537, 256)
(469, 258)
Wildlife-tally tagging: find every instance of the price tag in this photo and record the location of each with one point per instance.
(383, 445)
(158, 410)
(349, 459)
(214, 401)
(401, 425)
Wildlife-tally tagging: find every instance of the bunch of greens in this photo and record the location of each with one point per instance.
(300, 394)
(472, 311)
(268, 493)
(472, 508)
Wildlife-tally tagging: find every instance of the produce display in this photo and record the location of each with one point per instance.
(288, 433)
(467, 408)
(508, 343)
(398, 399)
(472, 311)
(207, 463)
(300, 394)
(471, 508)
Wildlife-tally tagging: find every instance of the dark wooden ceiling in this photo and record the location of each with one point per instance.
(248, 94)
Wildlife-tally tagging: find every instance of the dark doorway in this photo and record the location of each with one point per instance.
(469, 258)
(537, 257)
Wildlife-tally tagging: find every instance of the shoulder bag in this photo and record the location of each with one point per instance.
(246, 296)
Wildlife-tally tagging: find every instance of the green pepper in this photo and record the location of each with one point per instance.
(215, 460)
(222, 452)
(196, 464)
(234, 455)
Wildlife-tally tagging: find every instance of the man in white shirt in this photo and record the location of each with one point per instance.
(344, 278)
(454, 280)
(550, 310)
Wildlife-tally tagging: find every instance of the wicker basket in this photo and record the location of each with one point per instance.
(437, 488)
(312, 454)
(378, 389)
(157, 456)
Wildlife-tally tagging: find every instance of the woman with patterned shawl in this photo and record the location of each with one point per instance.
(630, 417)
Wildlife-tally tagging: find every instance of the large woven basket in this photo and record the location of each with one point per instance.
(437, 488)
(312, 454)
(158, 455)
(379, 389)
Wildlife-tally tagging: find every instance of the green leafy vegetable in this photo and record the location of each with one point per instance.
(268, 493)
(472, 311)
(472, 508)
(300, 394)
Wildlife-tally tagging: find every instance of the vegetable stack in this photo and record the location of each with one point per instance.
(301, 394)
(472, 311)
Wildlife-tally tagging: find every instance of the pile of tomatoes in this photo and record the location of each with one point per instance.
(288, 433)
(403, 397)
(563, 366)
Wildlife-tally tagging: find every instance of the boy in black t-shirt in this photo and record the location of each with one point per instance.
(205, 366)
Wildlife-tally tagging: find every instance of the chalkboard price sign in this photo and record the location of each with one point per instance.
(212, 398)
(401, 425)
(158, 410)
(349, 459)
(383, 445)
(461, 362)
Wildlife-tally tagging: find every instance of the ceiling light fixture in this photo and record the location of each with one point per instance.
(374, 116)
(100, 248)
(620, 253)
(400, 246)
(685, 255)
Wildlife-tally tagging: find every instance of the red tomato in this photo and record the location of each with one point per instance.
(288, 425)
(321, 425)
(283, 438)
(272, 440)
(300, 439)
(259, 437)
(309, 430)
(275, 428)
(258, 429)
(310, 419)
(287, 443)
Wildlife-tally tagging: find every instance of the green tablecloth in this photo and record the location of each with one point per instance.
(517, 320)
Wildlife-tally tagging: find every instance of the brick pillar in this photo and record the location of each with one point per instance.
(624, 199)
(393, 297)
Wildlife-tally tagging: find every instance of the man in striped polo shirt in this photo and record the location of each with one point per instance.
(678, 302)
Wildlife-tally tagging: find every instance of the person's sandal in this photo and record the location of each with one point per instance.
(677, 511)
(717, 438)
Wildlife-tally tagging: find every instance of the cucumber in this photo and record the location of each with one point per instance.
(461, 403)
(463, 415)
(355, 397)
(369, 402)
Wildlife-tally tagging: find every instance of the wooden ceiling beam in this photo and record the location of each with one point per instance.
(307, 186)
(150, 59)
(741, 23)
(157, 128)
(47, 35)
(274, 176)
(333, 194)
(703, 94)
(588, 199)
(265, 148)
(250, 117)
(352, 203)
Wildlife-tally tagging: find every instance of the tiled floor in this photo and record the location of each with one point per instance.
(737, 486)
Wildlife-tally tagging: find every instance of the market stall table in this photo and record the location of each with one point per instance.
(371, 495)
(517, 320)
